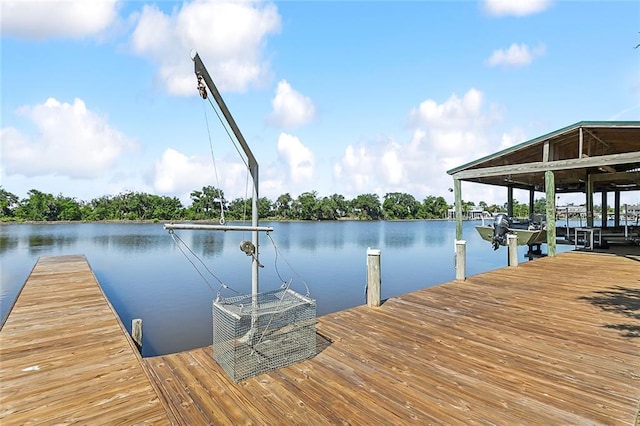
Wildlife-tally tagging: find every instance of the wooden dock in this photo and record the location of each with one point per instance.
(65, 357)
(553, 341)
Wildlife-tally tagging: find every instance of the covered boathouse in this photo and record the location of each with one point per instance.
(586, 157)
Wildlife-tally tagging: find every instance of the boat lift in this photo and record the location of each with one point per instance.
(279, 328)
(204, 78)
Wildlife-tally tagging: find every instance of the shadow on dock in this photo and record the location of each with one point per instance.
(623, 301)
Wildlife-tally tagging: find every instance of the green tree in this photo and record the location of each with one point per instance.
(342, 206)
(38, 206)
(307, 205)
(540, 206)
(519, 210)
(166, 208)
(68, 208)
(238, 209)
(399, 205)
(494, 208)
(8, 203)
(283, 206)
(207, 202)
(265, 208)
(367, 206)
(433, 208)
(327, 209)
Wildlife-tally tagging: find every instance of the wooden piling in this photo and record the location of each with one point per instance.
(461, 260)
(373, 277)
(512, 244)
(136, 332)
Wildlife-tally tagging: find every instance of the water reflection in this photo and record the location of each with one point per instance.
(208, 244)
(436, 235)
(39, 241)
(8, 243)
(130, 243)
(281, 235)
(308, 239)
(398, 236)
(368, 237)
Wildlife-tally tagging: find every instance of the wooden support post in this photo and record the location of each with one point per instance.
(457, 193)
(589, 205)
(616, 208)
(510, 201)
(373, 278)
(512, 245)
(136, 332)
(532, 196)
(605, 210)
(461, 260)
(550, 189)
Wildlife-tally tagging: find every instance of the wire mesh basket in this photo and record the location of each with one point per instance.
(255, 335)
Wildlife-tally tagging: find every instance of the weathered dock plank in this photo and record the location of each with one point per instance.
(554, 341)
(65, 357)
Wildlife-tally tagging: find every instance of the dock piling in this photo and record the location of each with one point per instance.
(136, 332)
(373, 277)
(461, 260)
(512, 244)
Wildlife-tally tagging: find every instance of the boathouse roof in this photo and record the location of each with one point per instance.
(609, 151)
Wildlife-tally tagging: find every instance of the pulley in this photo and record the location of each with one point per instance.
(202, 89)
(248, 248)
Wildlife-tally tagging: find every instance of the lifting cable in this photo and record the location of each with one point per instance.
(180, 244)
(246, 199)
(235, 145)
(213, 159)
(277, 252)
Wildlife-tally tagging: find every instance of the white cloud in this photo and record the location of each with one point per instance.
(454, 113)
(515, 7)
(515, 56)
(516, 136)
(299, 159)
(230, 37)
(445, 135)
(291, 108)
(177, 174)
(69, 18)
(72, 141)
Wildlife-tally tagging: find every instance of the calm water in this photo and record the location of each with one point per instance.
(145, 275)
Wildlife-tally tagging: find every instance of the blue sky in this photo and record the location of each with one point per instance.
(352, 97)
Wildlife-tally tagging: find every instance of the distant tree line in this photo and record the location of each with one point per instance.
(209, 203)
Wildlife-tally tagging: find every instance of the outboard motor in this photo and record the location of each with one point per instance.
(501, 225)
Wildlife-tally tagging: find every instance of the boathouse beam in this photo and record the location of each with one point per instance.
(550, 190)
(541, 166)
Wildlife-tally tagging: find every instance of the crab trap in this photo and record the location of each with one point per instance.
(257, 334)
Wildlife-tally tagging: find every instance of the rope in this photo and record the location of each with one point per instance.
(228, 133)
(277, 251)
(180, 243)
(213, 159)
(246, 199)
